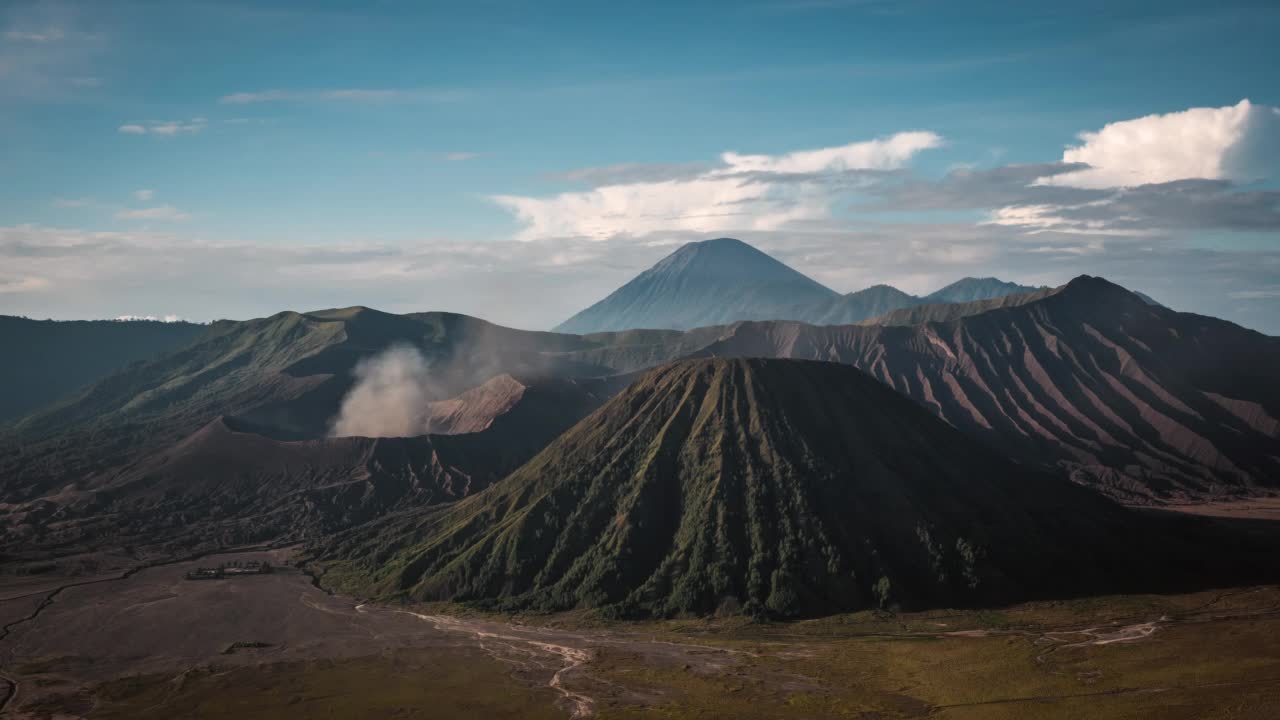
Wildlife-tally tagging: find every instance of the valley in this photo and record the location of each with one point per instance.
(271, 645)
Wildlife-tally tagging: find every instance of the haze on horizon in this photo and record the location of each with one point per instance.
(518, 161)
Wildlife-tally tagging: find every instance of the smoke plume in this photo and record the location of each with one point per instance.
(390, 397)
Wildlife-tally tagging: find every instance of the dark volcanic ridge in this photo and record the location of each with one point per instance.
(768, 486)
(1142, 402)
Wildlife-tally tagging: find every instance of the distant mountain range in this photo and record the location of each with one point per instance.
(225, 437)
(716, 282)
(774, 487)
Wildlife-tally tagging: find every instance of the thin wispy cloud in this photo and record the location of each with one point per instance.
(165, 129)
(461, 156)
(166, 213)
(75, 203)
(48, 35)
(353, 95)
(46, 52)
(144, 195)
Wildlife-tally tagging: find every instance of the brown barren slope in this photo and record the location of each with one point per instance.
(1143, 402)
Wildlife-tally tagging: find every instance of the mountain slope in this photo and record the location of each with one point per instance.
(1137, 400)
(856, 307)
(285, 374)
(226, 485)
(703, 283)
(529, 407)
(784, 486)
(943, 312)
(970, 289)
(42, 361)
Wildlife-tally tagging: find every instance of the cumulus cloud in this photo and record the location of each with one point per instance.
(1179, 172)
(1199, 143)
(167, 128)
(744, 192)
(166, 213)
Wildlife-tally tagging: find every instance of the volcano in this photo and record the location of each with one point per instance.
(784, 487)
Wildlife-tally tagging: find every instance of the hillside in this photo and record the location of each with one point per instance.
(775, 486)
(703, 283)
(855, 306)
(226, 485)
(43, 361)
(970, 289)
(942, 312)
(1142, 402)
(286, 374)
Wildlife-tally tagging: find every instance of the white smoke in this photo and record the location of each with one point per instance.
(390, 397)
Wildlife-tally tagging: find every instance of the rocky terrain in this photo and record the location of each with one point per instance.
(772, 487)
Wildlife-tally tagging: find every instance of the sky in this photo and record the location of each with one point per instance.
(518, 161)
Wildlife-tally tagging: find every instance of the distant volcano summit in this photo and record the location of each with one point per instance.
(713, 282)
(723, 281)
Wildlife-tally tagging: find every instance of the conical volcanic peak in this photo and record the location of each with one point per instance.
(774, 486)
(704, 283)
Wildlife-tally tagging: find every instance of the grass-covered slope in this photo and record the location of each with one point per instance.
(287, 372)
(43, 361)
(779, 486)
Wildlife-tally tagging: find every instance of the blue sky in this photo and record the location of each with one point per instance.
(518, 160)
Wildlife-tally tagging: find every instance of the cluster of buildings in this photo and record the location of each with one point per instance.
(232, 569)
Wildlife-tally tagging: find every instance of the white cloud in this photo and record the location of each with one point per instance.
(144, 194)
(744, 193)
(48, 35)
(167, 128)
(166, 213)
(460, 156)
(149, 318)
(1192, 144)
(881, 154)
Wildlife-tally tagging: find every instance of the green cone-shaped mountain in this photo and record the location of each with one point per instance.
(796, 487)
